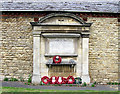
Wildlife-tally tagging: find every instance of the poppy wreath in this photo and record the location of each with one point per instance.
(45, 79)
(70, 80)
(59, 82)
(51, 80)
(64, 80)
(57, 61)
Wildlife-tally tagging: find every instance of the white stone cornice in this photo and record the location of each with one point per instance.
(85, 34)
(66, 35)
(36, 33)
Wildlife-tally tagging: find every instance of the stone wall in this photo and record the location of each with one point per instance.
(17, 44)
(16, 47)
(103, 49)
(0, 43)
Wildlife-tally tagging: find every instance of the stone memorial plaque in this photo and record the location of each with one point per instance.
(61, 46)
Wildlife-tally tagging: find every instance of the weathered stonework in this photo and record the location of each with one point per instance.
(17, 49)
(103, 50)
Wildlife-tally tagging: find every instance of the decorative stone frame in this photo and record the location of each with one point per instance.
(80, 29)
(55, 36)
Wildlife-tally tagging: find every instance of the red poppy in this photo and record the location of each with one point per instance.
(64, 80)
(45, 79)
(59, 80)
(57, 59)
(53, 80)
(70, 80)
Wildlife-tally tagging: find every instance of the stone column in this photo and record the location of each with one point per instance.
(36, 77)
(79, 63)
(85, 62)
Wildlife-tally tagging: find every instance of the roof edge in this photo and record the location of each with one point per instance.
(57, 11)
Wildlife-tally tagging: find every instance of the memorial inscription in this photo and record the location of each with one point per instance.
(61, 46)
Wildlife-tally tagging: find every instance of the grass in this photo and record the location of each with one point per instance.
(0, 89)
(16, 89)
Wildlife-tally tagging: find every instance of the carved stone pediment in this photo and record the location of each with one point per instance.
(61, 22)
(66, 19)
(61, 18)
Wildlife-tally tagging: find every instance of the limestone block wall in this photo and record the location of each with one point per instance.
(103, 49)
(17, 48)
(0, 45)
